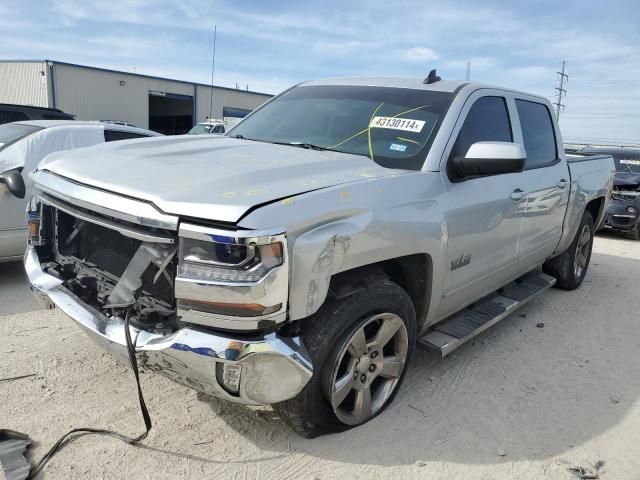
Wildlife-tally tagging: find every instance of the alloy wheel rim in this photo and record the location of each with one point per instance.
(368, 368)
(582, 251)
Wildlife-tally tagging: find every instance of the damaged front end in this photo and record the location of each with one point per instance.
(197, 298)
(624, 209)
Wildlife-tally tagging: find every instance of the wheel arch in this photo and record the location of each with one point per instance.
(413, 273)
(596, 208)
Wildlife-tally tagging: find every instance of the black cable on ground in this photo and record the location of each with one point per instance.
(76, 432)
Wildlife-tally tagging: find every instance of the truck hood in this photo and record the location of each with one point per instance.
(207, 177)
(627, 181)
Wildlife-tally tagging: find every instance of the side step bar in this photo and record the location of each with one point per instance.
(462, 326)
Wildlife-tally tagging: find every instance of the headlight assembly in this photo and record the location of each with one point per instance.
(230, 274)
(223, 261)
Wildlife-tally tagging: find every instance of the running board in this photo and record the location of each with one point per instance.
(462, 326)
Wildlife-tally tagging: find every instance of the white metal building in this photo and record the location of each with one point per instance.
(161, 104)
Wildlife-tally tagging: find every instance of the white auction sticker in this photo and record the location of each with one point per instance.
(405, 124)
(625, 161)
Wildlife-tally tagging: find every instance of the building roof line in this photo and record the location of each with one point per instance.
(120, 72)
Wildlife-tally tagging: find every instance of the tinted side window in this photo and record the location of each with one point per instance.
(7, 116)
(487, 120)
(115, 135)
(537, 133)
(218, 129)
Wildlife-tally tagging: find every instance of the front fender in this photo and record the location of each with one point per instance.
(340, 228)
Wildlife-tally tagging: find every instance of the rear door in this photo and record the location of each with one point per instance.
(546, 182)
(484, 213)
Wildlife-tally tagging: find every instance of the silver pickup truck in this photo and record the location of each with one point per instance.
(298, 260)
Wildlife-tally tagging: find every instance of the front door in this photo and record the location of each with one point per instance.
(13, 227)
(485, 214)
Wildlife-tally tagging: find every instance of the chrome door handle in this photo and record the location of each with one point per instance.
(517, 195)
(562, 183)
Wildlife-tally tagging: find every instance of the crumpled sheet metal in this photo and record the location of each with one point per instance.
(12, 448)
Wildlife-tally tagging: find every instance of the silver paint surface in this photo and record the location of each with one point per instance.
(343, 211)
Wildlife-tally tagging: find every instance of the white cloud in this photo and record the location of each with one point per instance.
(272, 46)
(420, 55)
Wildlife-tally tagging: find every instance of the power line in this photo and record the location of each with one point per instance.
(561, 91)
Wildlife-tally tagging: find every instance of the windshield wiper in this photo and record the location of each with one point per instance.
(308, 146)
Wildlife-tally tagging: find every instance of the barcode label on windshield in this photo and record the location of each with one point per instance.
(630, 162)
(405, 124)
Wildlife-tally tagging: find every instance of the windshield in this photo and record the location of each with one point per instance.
(12, 132)
(393, 126)
(200, 129)
(627, 162)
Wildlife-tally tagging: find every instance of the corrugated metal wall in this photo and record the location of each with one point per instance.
(98, 95)
(225, 98)
(24, 83)
(94, 94)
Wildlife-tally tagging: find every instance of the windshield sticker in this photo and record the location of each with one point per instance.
(629, 162)
(405, 124)
(397, 147)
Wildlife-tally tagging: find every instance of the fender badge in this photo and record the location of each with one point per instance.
(460, 262)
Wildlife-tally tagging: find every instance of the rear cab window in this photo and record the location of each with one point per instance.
(537, 133)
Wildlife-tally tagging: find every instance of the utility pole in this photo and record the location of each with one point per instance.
(561, 91)
(468, 76)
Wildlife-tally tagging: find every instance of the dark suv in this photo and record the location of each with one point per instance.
(19, 113)
(624, 209)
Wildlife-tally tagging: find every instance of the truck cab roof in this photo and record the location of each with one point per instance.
(450, 86)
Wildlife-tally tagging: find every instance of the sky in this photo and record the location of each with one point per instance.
(269, 45)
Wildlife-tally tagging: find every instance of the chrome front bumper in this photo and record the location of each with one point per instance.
(264, 370)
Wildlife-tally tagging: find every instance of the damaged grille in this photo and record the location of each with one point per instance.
(110, 252)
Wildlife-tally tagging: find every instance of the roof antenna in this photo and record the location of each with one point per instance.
(431, 78)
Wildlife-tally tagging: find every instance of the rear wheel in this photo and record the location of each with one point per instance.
(360, 347)
(570, 267)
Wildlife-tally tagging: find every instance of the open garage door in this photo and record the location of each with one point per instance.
(233, 115)
(170, 113)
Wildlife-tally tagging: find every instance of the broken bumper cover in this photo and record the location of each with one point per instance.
(618, 216)
(261, 370)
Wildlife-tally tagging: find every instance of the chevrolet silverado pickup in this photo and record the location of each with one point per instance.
(298, 260)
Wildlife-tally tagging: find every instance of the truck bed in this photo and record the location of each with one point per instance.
(574, 157)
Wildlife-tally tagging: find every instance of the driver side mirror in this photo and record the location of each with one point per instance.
(490, 158)
(14, 182)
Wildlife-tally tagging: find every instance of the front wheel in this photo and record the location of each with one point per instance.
(635, 233)
(570, 267)
(360, 347)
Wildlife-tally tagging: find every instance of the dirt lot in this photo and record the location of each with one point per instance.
(520, 402)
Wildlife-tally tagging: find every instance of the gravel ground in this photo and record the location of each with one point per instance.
(519, 402)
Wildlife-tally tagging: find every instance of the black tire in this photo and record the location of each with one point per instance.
(325, 336)
(563, 267)
(635, 233)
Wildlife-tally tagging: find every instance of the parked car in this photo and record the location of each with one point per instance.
(210, 126)
(18, 113)
(22, 146)
(298, 260)
(624, 211)
(118, 122)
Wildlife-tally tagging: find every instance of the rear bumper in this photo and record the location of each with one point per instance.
(260, 370)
